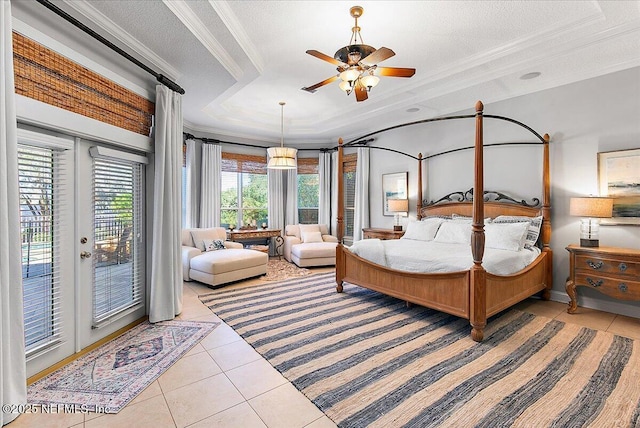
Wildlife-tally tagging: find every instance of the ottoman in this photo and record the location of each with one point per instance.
(314, 254)
(222, 266)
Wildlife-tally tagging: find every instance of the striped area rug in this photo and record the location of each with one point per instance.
(368, 361)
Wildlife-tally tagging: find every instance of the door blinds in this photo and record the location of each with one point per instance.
(118, 267)
(42, 197)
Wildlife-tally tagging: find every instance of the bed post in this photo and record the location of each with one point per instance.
(546, 217)
(419, 204)
(340, 223)
(478, 315)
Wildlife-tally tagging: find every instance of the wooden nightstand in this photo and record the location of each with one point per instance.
(610, 270)
(369, 233)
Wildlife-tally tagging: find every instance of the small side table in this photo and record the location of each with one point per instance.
(610, 270)
(371, 232)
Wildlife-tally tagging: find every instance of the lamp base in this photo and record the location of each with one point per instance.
(397, 228)
(589, 242)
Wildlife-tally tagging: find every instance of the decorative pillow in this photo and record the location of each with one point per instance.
(311, 237)
(533, 230)
(213, 244)
(200, 235)
(505, 236)
(454, 232)
(424, 230)
(308, 228)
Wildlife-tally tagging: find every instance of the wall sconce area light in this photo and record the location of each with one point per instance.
(591, 209)
(398, 206)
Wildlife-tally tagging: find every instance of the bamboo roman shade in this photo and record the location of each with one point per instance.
(47, 76)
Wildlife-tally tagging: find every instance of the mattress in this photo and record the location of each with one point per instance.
(437, 257)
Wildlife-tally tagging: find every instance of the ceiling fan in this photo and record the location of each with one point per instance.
(357, 64)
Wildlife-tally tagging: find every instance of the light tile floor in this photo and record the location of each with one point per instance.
(224, 382)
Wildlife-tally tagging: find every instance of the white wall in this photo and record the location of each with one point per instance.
(584, 118)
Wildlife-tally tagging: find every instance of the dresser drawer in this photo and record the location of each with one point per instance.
(606, 266)
(617, 287)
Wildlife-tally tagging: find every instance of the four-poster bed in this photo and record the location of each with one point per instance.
(474, 294)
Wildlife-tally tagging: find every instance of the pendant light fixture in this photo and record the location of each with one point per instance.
(282, 157)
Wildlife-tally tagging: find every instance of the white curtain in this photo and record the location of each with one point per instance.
(166, 262)
(361, 214)
(334, 193)
(194, 160)
(291, 207)
(13, 378)
(276, 199)
(324, 193)
(211, 183)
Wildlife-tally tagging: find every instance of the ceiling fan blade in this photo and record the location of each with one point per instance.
(313, 88)
(378, 56)
(327, 58)
(395, 72)
(361, 91)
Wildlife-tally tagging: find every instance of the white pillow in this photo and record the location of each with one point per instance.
(533, 230)
(454, 232)
(308, 228)
(311, 237)
(424, 230)
(505, 236)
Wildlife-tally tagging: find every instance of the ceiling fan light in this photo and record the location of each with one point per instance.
(345, 86)
(349, 75)
(370, 81)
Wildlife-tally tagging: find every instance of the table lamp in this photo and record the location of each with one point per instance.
(592, 209)
(398, 206)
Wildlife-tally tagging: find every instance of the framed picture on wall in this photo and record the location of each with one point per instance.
(619, 178)
(394, 186)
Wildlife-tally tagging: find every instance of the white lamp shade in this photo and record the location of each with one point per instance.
(282, 158)
(593, 207)
(398, 205)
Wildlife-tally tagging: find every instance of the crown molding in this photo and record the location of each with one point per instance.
(237, 30)
(193, 23)
(101, 20)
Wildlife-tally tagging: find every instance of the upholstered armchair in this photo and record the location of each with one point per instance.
(309, 245)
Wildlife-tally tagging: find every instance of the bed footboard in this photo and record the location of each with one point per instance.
(446, 292)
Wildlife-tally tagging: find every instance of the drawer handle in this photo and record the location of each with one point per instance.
(597, 283)
(622, 267)
(623, 287)
(595, 266)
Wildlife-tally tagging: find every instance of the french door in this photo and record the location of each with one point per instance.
(82, 217)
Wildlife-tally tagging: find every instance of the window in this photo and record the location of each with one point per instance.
(349, 181)
(244, 190)
(308, 190)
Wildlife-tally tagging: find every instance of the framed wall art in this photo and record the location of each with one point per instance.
(394, 186)
(619, 178)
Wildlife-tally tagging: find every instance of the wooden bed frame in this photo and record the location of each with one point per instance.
(473, 294)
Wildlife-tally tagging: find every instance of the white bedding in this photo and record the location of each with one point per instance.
(433, 257)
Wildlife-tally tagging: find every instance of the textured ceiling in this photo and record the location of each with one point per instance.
(237, 59)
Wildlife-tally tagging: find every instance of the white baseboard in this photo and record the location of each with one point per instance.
(617, 307)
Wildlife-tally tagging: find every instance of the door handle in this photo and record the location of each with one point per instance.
(85, 255)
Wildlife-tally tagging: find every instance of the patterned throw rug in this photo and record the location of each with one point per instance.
(107, 378)
(278, 270)
(368, 361)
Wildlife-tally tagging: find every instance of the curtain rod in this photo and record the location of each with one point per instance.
(216, 141)
(159, 77)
